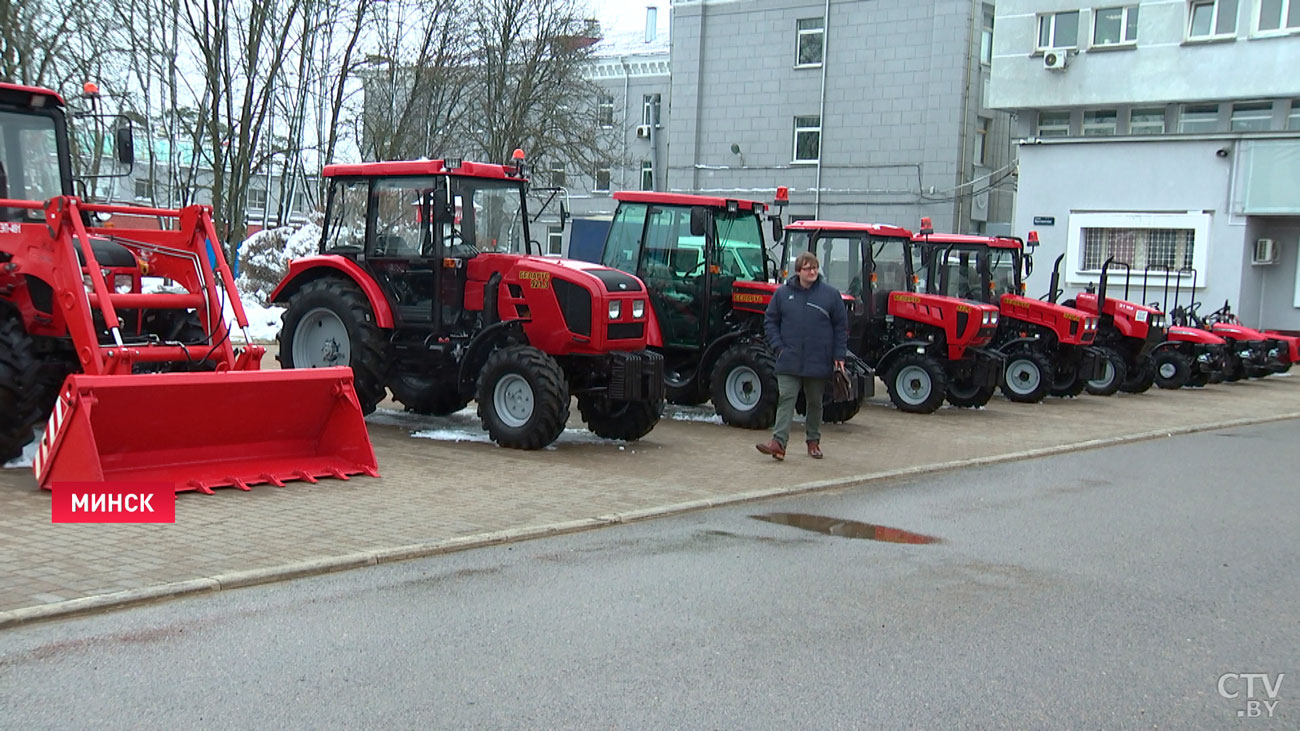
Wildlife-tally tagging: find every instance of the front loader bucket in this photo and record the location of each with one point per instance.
(204, 430)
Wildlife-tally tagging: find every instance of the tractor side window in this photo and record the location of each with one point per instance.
(889, 265)
(492, 215)
(401, 217)
(797, 244)
(1003, 265)
(740, 240)
(623, 244)
(671, 252)
(347, 224)
(841, 263)
(29, 162)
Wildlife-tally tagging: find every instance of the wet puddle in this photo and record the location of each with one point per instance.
(846, 528)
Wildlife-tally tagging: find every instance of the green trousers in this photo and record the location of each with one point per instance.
(789, 387)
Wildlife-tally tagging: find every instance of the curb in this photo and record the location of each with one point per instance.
(314, 567)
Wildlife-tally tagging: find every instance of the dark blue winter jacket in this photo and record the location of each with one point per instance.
(808, 329)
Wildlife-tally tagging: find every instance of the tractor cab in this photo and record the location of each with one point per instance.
(926, 345)
(34, 156)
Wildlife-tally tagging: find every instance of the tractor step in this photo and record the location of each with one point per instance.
(204, 430)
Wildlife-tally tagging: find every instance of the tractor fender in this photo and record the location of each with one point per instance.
(715, 349)
(1007, 347)
(483, 345)
(311, 268)
(887, 360)
(1162, 347)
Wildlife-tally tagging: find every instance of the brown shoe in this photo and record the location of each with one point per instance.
(772, 448)
(814, 450)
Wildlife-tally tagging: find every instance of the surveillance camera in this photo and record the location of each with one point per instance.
(1221, 152)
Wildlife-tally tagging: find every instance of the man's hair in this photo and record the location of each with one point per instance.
(804, 259)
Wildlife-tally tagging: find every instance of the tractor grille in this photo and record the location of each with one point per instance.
(575, 305)
(636, 376)
(626, 331)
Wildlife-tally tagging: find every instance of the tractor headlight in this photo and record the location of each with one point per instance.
(123, 283)
(638, 309)
(615, 309)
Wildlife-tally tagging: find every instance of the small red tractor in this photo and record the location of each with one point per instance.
(927, 346)
(1048, 347)
(119, 336)
(427, 286)
(709, 278)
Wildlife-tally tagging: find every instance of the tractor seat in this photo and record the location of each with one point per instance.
(109, 254)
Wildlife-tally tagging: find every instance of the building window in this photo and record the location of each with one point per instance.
(650, 109)
(810, 38)
(647, 175)
(981, 140)
(1199, 118)
(1099, 122)
(1279, 15)
(1058, 30)
(1293, 121)
(256, 198)
(602, 179)
(1053, 124)
(986, 37)
(1211, 18)
(605, 110)
(144, 189)
(1115, 26)
(558, 179)
(807, 139)
(1158, 248)
(554, 239)
(1252, 117)
(1147, 122)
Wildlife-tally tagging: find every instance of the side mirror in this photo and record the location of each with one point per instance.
(124, 144)
(1029, 265)
(699, 220)
(777, 229)
(564, 216)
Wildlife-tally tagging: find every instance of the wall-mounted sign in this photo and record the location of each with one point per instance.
(1044, 220)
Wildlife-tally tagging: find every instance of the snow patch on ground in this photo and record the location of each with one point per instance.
(29, 453)
(704, 414)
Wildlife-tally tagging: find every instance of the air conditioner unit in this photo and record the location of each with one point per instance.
(1265, 252)
(1055, 59)
(643, 131)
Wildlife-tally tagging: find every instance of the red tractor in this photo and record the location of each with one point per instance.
(1048, 347)
(120, 338)
(928, 346)
(426, 285)
(710, 280)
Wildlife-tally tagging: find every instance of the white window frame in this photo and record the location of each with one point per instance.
(1264, 111)
(605, 110)
(1283, 12)
(554, 240)
(1124, 40)
(806, 129)
(650, 110)
(1098, 129)
(1164, 126)
(253, 202)
(800, 34)
(595, 179)
(1293, 117)
(1296, 302)
(987, 20)
(1182, 115)
(1197, 221)
(1217, 10)
(1038, 129)
(1051, 19)
(980, 154)
(647, 168)
(147, 187)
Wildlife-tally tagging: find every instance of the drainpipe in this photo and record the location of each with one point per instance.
(821, 110)
(627, 89)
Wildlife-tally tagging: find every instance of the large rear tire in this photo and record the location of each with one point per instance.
(1112, 377)
(917, 383)
(1233, 369)
(1027, 377)
(523, 398)
(1141, 379)
(421, 395)
(1067, 383)
(833, 412)
(18, 378)
(1172, 369)
(626, 420)
(329, 322)
(744, 388)
(968, 395)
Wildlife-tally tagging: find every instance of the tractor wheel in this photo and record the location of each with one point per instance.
(917, 383)
(1112, 377)
(1027, 377)
(744, 387)
(423, 395)
(689, 394)
(523, 398)
(1172, 369)
(833, 412)
(177, 327)
(1258, 371)
(329, 323)
(1066, 382)
(1200, 378)
(1233, 369)
(626, 420)
(18, 374)
(1140, 379)
(968, 395)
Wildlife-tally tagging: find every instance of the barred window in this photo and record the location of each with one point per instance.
(1140, 248)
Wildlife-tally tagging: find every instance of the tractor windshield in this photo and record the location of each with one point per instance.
(1004, 266)
(29, 162)
(961, 274)
(740, 241)
(489, 216)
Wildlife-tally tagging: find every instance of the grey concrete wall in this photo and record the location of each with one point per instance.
(1268, 293)
(1163, 66)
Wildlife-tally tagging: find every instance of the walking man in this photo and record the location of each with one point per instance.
(808, 329)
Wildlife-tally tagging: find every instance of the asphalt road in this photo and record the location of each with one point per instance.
(1108, 588)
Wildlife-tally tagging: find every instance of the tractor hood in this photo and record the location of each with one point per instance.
(1072, 325)
(1182, 334)
(1237, 332)
(613, 280)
